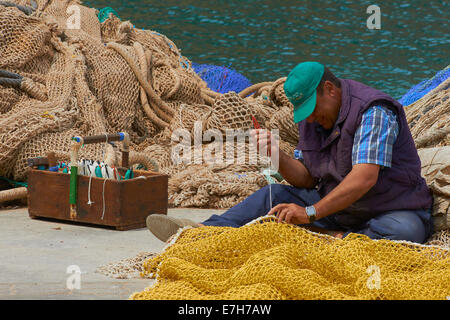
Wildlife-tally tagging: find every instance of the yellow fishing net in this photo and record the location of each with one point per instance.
(270, 260)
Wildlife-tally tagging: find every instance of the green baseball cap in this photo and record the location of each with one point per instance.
(300, 88)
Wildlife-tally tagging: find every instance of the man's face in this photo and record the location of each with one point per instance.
(327, 106)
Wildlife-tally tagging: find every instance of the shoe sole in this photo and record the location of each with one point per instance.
(162, 226)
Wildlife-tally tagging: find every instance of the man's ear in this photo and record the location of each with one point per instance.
(329, 88)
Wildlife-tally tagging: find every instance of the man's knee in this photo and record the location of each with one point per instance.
(275, 191)
(399, 225)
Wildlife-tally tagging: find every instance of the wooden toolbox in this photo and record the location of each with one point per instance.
(123, 204)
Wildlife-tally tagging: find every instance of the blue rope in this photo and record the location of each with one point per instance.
(421, 89)
(221, 79)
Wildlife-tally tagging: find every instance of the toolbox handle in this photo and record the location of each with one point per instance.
(100, 138)
(121, 136)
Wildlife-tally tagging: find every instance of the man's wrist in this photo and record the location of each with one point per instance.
(319, 210)
(311, 213)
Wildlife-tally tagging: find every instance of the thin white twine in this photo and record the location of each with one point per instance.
(89, 191)
(104, 178)
(270, 170)
(103, 195)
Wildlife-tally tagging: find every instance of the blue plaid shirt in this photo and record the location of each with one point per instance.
(374, 138)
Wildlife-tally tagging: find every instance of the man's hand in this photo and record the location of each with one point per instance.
(293, 171)
(290, 213)
(266, 143)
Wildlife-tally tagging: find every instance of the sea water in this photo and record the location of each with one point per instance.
(264, 40)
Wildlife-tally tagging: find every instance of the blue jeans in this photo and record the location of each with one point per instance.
(411, 225)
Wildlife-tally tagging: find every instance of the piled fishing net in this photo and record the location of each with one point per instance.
(288, 262)
(101, 77)
(129, 268)
(428, 119)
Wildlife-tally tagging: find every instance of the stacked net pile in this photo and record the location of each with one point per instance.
(289, 262)
(428, 119)
(127, 268)
(95, 78)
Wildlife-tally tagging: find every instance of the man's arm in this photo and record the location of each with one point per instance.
(294, 172)
(355, 185)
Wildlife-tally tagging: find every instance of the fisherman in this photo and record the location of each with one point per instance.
(355, 170)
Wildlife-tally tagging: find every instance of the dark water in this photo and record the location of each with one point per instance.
(264, 40)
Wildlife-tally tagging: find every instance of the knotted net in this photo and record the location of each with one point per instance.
(57, 81)
(288, 262)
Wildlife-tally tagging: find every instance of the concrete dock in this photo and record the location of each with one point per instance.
(37, 256)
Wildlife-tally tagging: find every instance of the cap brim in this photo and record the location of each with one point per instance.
(304, 110)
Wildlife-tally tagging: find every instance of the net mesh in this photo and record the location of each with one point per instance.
(288, 262)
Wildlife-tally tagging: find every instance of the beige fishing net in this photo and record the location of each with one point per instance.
(111, 77)
(429, 119)
(128, 268)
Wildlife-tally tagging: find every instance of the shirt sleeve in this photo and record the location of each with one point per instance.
(375, 137)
